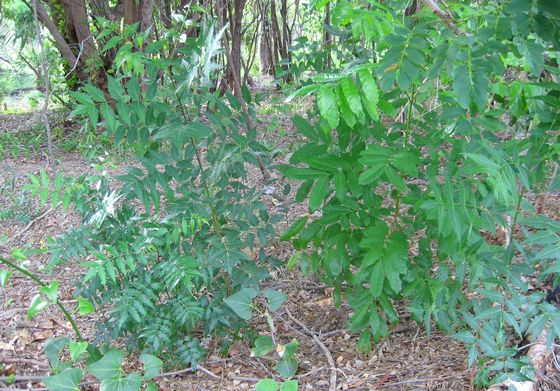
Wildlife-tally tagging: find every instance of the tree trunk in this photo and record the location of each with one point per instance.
(328, 37)
(265, 40)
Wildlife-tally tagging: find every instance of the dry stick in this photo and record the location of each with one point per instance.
(332, 385)
(29, 225)
(47, 88)
(166, 374)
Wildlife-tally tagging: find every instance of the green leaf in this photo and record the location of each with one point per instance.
(152, 366)
(112, 43)
(37, 305)
(109, 366)
(151, 386)
(51, 291)
(4, 276)
(371, 94)
(17, 254)
(290, 349)
(94, 92)
(85, 307)
(77, 349)
(132, 382)
(377, 277)
(287, 368)
(108, 115)
(67, 380)
(305, 128)
(326, 99)
(240, 302)
(318, 193)
(266, 385)
(275, 298)
(263, 346)
(353, 98)
(53, 347)
(462, 85)
(296, 227)
(289, 385)
(115, 88)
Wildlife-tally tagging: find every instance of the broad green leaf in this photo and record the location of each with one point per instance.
(67, 380)
(287, 368)
(241, 301)
(289, 385)
(37, 305)
(115, 88)
(77, 349)
(305, 127)
(326, 99)
(275, 298)
(85, 307)
(290, 349)
(266, 385)
(114, 41)
(151, 386)
(462, 85)
(53, 347)
(347, 115)
(319, 193)
(353, 98)
(51, 291)
(108, 367)
(108, 116)
(152, 366)
(94, 92)
(377, 278)
(263, 346)
(132, 382)
(370, 93)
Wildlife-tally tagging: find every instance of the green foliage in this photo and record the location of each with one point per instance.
(409, 182)
(177, 248)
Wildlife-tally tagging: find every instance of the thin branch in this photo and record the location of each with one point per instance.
(445, 16)
(330, 360)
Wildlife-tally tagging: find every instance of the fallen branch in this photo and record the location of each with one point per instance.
(332, 385)
(19, 379)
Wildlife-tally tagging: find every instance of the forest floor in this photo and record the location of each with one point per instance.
(409, 359)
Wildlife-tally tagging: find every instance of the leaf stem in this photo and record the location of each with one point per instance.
(36, 279)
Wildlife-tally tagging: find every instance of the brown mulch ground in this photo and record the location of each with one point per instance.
(407, 360)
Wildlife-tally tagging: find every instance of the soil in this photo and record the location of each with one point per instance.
(409, 359)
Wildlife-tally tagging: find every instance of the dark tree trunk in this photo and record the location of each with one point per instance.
(328, 37)
(265, 41)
